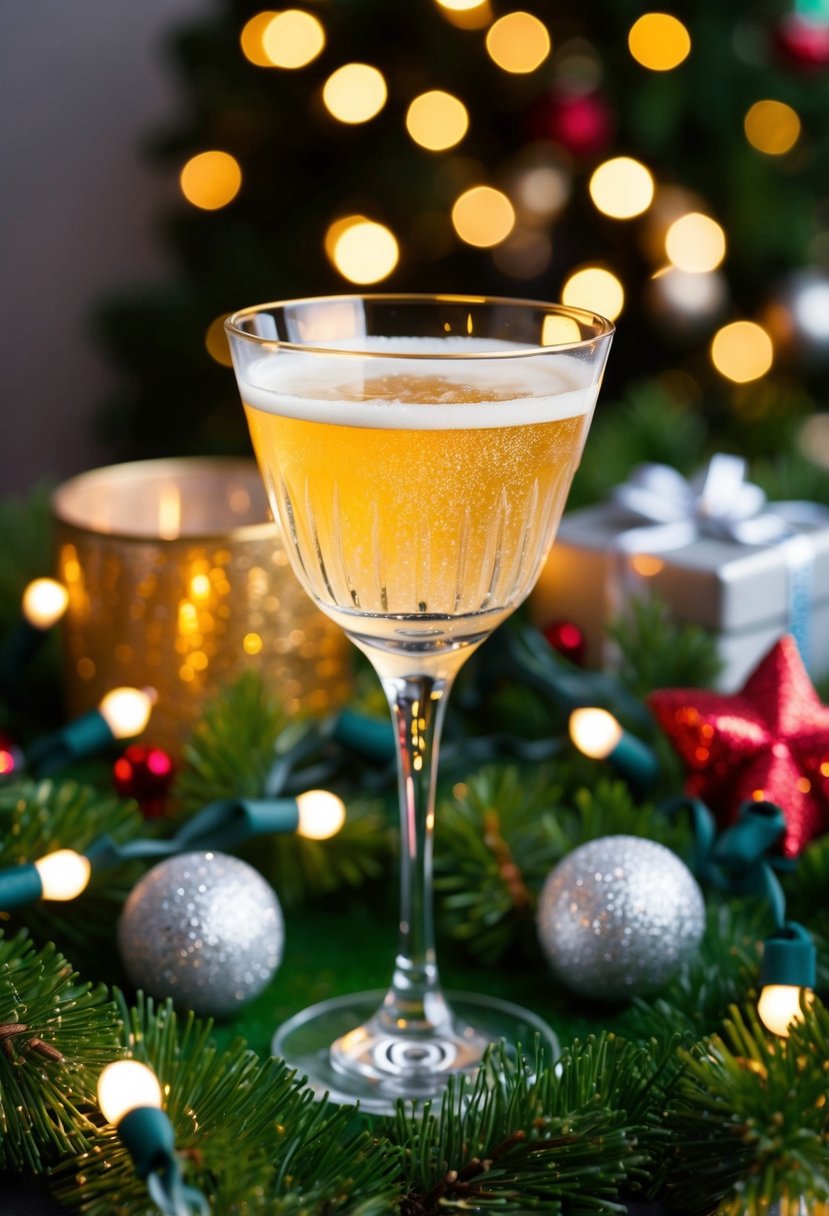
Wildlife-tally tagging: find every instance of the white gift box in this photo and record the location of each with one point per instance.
(741, 593)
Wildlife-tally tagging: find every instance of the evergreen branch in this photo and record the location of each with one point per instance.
(648, 424)
(658, 652)
(526, 1137)
(25, 525)
(231, 754)
(723, 973)
(39, 817)
(499, 839)
(56, 1033)
(247, 1131)
(749, 1120)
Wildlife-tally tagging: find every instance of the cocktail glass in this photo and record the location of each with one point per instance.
(418, 452)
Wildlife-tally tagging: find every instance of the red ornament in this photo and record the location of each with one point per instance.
(768, 742)
(11, 757)
(567, 640)
(803, 43)
(145, 774)
(583, 123)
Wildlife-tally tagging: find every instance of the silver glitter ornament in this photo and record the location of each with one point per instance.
(204, 929)
(618, 917)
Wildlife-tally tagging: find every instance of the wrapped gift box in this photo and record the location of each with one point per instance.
(741, 593)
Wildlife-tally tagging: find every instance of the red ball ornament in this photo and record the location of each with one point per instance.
(767, 743)
(145, 774)
(11, 757)
(583, 123)
(803, 43)
(567, 640)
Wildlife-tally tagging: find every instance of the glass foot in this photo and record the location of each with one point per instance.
(348, 1056)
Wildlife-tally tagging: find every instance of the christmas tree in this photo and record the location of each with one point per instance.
(663, 171)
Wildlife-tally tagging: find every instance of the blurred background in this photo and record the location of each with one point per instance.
(169, 162)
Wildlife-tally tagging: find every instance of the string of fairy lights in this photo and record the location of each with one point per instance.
(512, 220)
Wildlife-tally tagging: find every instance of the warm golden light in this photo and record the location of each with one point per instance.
(559, 330)
(596, 289)
(659, 41)
(355, 92)
(772, 127)
(215, 340)
(542, 190)
(459, 6)
(518, 42)
(695, 243)
(437, 120)
(293, 38)
(595, 732)
(63, 874)
(779, 1006)
(127, 1085)
(44, 602)
(364, 251)
(251, 38)
(211, 180)
(622, 188)
(126, 711)
(476, 16)
(742, 351)
(321, 814)
(483, 216)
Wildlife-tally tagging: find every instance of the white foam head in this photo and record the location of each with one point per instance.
(363, 388)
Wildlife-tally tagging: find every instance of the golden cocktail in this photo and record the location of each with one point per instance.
(418, 453)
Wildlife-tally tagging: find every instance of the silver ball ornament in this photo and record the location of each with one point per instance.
(798, 316)
(203, 928)
(618, 917)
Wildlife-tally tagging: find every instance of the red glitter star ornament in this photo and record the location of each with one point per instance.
(768, 742)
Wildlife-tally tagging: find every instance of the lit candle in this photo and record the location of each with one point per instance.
(599, 735)
(178, 578)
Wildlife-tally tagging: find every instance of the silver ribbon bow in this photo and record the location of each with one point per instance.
(719, 502)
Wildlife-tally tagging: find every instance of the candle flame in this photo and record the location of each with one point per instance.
(169, 512)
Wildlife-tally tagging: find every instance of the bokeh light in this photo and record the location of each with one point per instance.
(742, 351)
(483, 216)
(437, 120)
(595, 289)
(355, 92)
(695, 243)
(659, 41)
(251, 38)
(474, 15)
(772, 127)
(540, 188)
(362, 250)
(211, 180)
(293, 38)
(215, 339)
(518, 42)
(558, 330)
(525, 253)
(622, 188)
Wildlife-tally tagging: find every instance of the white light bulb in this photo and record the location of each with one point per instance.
(595, 732)
(127, 1085)
(126, 711)
(779, 1006)
(321, 814)
(44, 602)
(63, 874)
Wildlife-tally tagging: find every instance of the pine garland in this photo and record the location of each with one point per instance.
(55, 1034)
(232, 753)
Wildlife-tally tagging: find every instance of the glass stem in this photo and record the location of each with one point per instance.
(414, 1003)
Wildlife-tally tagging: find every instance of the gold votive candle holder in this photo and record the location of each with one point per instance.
(178, 580)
